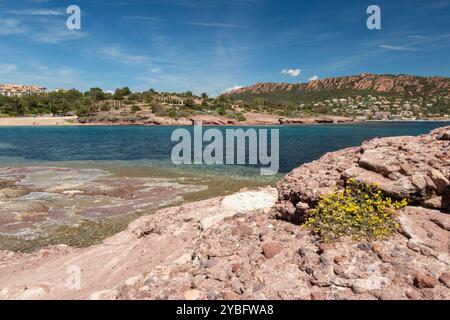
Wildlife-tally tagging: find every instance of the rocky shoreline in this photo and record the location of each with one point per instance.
(250, 246)
(149, 119)
(251, 119)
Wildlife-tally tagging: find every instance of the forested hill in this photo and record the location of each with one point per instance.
(347, 95)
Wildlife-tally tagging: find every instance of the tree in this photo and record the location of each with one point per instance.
(134, 97)
(189, 103)
(121, 93)
(83, 112)
(205, 96)
(95, 95)
(135, 108)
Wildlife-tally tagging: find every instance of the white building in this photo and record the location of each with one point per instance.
(17, 90)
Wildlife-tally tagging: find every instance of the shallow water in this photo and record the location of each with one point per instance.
(138, 153)
(151, 146)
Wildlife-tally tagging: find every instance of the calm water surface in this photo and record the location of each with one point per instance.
(144, 152)
(151, 146)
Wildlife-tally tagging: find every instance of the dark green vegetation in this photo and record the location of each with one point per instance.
(366, 96)
(369, 96)
(95, 105)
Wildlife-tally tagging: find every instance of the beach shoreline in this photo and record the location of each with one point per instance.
(210, 121)
(38, 121)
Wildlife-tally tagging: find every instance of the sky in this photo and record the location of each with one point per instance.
(215, 45)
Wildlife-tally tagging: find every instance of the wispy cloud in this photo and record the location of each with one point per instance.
(118, 55)
(214, 25)
(7, 68)
(291, 72)
(47, 75)
(58, 35)
(41, 26)
(314, 78)
(38, 12)
(11, 27)
(397, 48)
(143, 18)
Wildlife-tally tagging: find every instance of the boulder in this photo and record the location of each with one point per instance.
(415, 168)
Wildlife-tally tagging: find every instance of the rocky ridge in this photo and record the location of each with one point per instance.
(250, 246)
(377, 83)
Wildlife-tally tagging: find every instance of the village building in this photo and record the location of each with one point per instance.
(16, 90)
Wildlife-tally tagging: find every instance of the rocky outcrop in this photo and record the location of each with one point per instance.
(245, 246)
(228, 248)
(38, 205)
(415, 168)
(251, 119)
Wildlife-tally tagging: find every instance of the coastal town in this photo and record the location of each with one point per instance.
(17, 90)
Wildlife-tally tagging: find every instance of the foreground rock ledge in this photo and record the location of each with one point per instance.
(238, 247)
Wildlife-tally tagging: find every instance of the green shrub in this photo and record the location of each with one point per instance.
(240, 117)
(360, 211)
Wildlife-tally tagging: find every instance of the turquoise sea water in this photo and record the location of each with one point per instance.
(144, 152)
(151, 146)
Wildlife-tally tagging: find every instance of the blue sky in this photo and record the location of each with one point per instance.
(214, 45)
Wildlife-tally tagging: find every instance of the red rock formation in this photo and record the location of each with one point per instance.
(378, 83)
(416, 168)
(231, 248)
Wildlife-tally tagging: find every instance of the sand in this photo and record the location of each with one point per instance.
(38, 121)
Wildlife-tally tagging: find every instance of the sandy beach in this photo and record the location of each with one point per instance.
(38, 121)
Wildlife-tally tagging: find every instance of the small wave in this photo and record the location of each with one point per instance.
(5, 145)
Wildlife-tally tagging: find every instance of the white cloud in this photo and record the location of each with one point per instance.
(7, 68)
(234, 88)
(116, 54)
(57, 36)
(48, 30)
(397, 48)
(214, 25)
(143, 18)
(291, 72)
(314, 78)
(11, 27)
(38, 12)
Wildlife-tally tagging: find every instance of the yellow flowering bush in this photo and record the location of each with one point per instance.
(360, 211)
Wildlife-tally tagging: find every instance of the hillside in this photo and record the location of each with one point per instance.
(362, 95)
